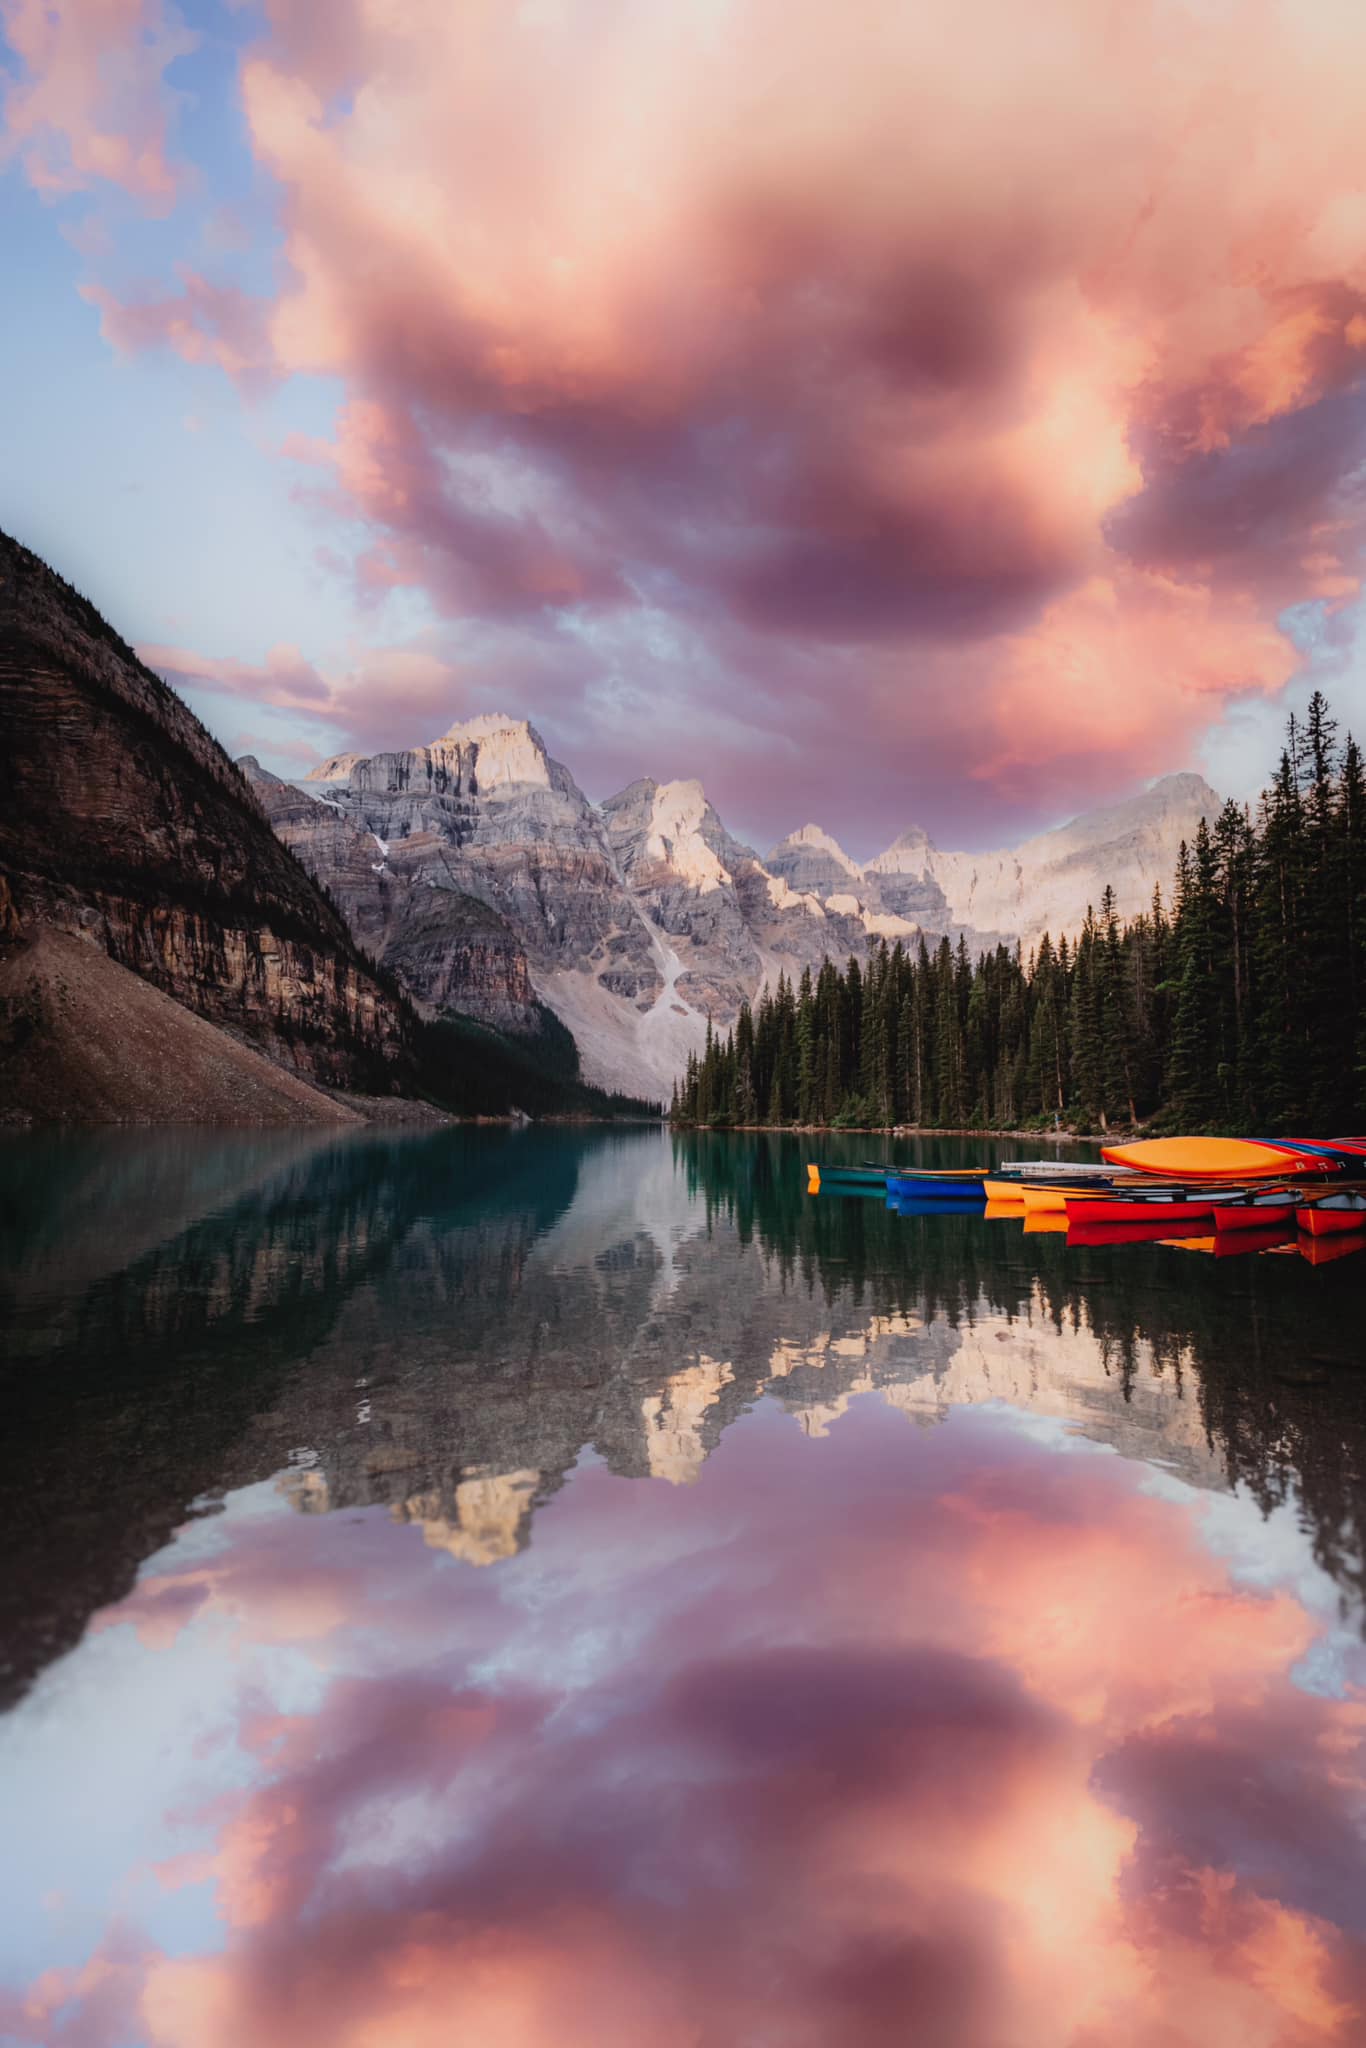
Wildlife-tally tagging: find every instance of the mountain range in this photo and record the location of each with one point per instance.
(478, 871)
(455, 919)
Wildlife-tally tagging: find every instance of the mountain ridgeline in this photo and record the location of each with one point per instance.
(478, 871)
(1239, 1009)
(163, 955)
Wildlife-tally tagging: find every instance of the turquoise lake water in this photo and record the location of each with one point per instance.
(575, 1587)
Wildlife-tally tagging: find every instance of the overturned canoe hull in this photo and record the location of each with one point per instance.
(1221, 1158)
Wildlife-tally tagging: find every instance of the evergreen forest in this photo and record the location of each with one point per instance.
(1233, 1004)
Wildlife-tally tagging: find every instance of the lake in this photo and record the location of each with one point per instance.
(574, 1587)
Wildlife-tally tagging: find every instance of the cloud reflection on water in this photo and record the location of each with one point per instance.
(962, 1735)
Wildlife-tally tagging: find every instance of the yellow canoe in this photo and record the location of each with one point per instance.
(1049, 1199)
(1005, 1193)
(1211, 1158)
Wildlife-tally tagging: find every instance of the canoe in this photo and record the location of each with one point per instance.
(1004, 1192)
(818, 1174)
(1333, 1215)
(1253, 1211)
(869, 1175)
(1331, 1157)
(935, 1205)
(1216, 1158)
(1041, 1198)
(1054, 1169)
(1182, 1207)
(926, 1187)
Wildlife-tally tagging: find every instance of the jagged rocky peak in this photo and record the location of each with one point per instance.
(910, 853)
(684, 830)
(670, 826)
(813, 863)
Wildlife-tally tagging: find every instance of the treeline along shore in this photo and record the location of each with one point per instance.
(1234, 1005)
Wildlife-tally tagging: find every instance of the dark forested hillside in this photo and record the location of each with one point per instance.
(1235, 1004)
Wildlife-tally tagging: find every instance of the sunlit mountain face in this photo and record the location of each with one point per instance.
(945, 417)
(580, 1588)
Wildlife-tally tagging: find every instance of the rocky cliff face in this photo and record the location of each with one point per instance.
(450, 950)
(123, 821)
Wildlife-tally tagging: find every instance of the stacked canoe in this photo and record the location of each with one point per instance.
(1215, 1193)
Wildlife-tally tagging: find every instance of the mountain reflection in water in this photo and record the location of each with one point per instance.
(551, 1587)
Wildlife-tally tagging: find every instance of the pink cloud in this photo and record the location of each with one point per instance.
(1006, 368)
(203, 322)
(92, 105)
(386, 686)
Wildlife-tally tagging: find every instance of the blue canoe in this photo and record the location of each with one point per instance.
(936, 1187)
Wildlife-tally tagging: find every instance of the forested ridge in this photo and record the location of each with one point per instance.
(1233, 1004)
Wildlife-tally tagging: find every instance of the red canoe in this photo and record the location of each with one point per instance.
(1256, 1211)
(1163, 1210)
(1333, 1215)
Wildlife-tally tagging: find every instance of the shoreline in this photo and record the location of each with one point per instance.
(907, 1131)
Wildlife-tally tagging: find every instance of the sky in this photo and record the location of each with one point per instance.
(950, 415)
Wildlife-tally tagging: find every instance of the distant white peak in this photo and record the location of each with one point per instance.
(675, 835)
(906, 855)
(1186, 787)
(812, 835)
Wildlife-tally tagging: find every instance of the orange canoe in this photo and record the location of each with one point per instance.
(1214, 1158)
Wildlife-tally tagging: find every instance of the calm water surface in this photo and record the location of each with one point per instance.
(524, 1589)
